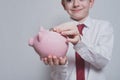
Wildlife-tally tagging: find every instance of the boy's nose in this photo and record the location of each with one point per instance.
(76, 3)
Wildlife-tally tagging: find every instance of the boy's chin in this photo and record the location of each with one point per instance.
(78, 19)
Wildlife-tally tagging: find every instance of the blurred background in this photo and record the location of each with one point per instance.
(21, 19)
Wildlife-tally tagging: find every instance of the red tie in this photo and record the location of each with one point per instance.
(80, 64)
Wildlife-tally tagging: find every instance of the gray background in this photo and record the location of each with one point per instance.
(21, 19)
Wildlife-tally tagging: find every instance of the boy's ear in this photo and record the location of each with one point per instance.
(63, 3)
(91, 3)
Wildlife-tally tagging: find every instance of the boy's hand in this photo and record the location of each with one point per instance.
(70, 31)
(53, 60)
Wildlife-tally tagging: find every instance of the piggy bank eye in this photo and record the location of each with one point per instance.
(38, 38)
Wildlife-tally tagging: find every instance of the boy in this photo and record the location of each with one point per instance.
(93, 45)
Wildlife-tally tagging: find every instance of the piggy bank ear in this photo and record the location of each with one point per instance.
(42, 29)
(31, 42)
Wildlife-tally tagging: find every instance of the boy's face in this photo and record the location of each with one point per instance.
(77, 9)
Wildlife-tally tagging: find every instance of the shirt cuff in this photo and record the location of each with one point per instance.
(80, 48)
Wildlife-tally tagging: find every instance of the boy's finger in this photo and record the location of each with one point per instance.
(62, 60)
(55, 60)
(45, 60)
(50, 61)
(73, 40)
(70, 32)
(61, 28)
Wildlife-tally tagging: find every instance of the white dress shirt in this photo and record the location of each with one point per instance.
(95, 48)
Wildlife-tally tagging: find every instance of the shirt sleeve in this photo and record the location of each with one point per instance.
(98, 54)
(59, 72)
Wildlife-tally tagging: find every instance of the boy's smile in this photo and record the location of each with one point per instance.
(76, 10)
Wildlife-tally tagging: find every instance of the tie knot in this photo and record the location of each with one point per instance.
(80, 28)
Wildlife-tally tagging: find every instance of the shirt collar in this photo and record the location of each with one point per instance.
(88, 22)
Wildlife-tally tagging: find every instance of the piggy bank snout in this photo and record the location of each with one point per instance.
(34, 40)
(30, 42)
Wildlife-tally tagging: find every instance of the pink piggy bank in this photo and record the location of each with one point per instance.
(49, 43)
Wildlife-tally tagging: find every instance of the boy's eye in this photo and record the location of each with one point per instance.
(68, 0)
(82, 0)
